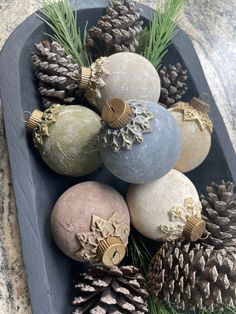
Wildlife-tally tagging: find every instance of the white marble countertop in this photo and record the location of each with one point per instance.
(211, 25)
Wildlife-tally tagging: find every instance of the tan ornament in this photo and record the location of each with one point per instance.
(196, 129)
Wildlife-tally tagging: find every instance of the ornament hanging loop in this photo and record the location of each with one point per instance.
(25, 115)
(206, 98)
(207, 234)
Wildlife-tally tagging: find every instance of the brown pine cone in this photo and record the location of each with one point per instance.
(58, 75)
(193, 277)
(173, 84)
(219, 212)
(111, 290)
(116, 31)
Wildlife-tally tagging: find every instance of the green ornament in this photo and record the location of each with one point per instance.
(67, 139)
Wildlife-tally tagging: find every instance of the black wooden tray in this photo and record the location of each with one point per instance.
(37, 188)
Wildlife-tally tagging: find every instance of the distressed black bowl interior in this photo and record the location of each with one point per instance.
(36, 187)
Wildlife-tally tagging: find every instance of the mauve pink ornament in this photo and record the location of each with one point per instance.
(91, 223)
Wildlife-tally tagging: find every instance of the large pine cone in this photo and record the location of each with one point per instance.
(57, 73)
(190, 276)
(219, 211)
(111, 290)
(117, 31)
(173, 84)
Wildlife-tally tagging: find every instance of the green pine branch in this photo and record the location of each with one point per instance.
(59, 16)
(155, 40)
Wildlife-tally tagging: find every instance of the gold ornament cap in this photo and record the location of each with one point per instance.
(111, 251)
(86, 75)
(117, 113)
(200, 105)
(194, 228)
(34, 119)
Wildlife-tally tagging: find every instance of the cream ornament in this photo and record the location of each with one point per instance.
(167, 209)
(124, 75)
(196, 129)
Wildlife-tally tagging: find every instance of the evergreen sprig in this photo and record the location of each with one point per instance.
(155, 40)
(59, 16)
(141, 258)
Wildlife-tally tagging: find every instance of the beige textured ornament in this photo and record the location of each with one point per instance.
(163, 210)
(196, 128)
(90, 223)
(123, 75)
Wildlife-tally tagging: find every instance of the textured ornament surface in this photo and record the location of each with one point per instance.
(178, 216)
(125, 137)
(192, 277)
(159, 210)
(67, 139)
(101, 229)
(131, 76)
(86, 214)
(196, 142)
(151, 159)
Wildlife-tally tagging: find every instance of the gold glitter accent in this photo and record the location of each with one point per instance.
(178, 216)
(192, 114)
(101, 229)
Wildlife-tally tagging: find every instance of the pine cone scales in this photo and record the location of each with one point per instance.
(57, 73)
(192, 276)
(219, 211)
(111, 290)
(117, 31)
(173, 84)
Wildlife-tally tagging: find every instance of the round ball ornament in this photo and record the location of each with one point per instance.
(139, 141)
(67, 139)
(90, 223)
(168, 209)
(123, 75)
(196, 129)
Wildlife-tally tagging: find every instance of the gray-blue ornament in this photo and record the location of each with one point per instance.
(139, 141)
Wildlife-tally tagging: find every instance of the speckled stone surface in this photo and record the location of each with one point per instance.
(211, 26)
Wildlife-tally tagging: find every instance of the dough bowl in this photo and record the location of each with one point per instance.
(49, 272)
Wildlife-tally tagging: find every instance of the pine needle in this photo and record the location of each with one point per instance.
(138, 252)
(60, 17)
(155, 41)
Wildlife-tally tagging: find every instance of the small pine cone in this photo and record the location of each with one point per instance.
(219, 212)
(193, 277)
(173, 84)
(111, 290)
(57, 73)
(117, 31)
